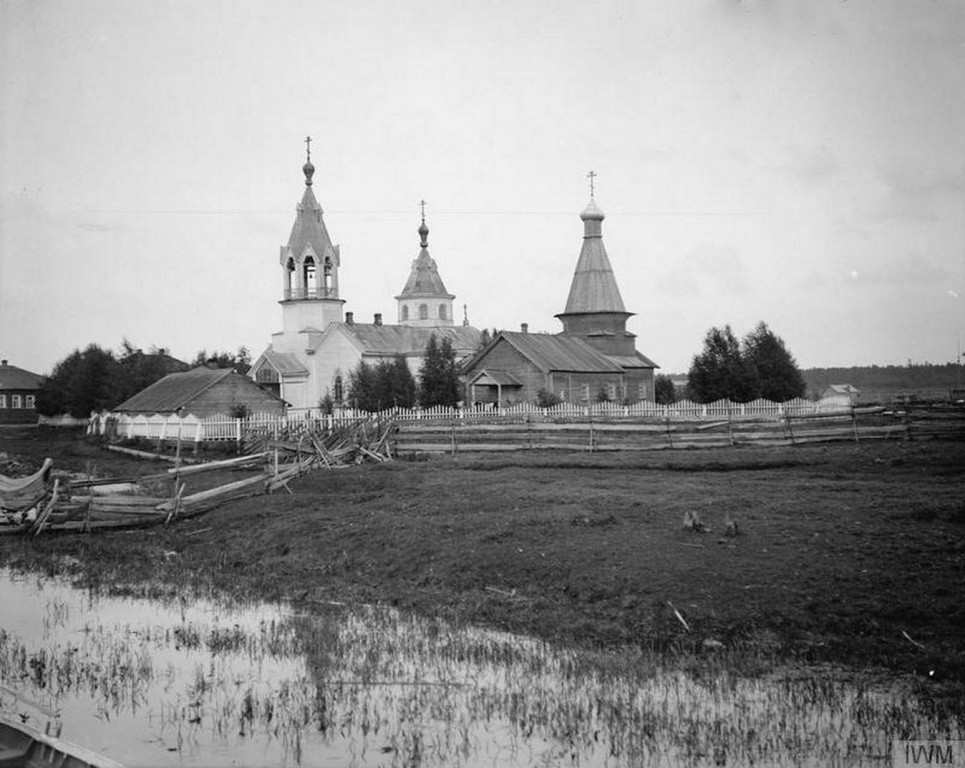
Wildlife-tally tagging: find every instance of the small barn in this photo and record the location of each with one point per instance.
(202, 392)
(841, 392)
(514, 367)
(18, 394)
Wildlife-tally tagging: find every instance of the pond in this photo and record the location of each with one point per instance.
(198, 682)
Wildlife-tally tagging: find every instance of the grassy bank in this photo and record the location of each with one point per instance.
(846, 554)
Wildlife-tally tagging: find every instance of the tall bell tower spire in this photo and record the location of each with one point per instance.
(310, 298)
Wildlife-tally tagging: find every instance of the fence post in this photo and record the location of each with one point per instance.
(854, 424)
(238, 433)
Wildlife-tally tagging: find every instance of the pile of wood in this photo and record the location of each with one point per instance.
(34, 504)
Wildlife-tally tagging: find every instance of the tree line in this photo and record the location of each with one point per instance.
(97, 379)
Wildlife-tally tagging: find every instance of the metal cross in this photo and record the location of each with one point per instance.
(591, 176)
(422, 203)
(308, 146)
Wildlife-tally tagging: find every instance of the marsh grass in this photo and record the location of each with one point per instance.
(370, 683)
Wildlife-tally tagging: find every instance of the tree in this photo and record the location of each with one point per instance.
(81, 383)
(780, 378)
(438, 378)
(664, 391)
(388, 384)
(720, 371)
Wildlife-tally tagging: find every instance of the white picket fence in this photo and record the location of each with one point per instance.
(191, 428)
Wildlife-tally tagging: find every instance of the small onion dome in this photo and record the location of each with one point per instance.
(592, 212)
(424, 233)
(308, 169)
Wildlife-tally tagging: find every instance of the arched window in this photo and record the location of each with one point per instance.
(309, 276)
(405, 312)
(423, 311)
(289, 272)
(328, 275)
(338, 389)
(442, 311)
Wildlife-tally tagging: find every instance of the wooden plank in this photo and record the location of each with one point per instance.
(212, 465)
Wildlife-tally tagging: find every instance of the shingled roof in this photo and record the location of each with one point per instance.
(594, 287)
(557, 353)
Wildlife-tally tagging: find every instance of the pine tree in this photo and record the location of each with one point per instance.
(780, 378)
(438, 378)
(664, 392)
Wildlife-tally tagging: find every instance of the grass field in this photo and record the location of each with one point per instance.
(851, 554)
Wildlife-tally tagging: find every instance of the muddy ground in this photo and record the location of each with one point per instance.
(853, 554)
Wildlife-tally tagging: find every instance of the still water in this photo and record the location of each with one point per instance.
(197, 682)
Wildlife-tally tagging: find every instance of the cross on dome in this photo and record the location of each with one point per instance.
(591, 176)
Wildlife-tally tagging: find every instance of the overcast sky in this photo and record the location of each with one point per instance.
(798, 162)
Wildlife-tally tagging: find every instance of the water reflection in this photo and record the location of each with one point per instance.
(198, 683)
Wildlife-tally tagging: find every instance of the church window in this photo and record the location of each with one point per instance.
(289, 271)
(585, 390)
(14, 401)
(442, 311)
(643, 391)
(423, 311)
(405, 312)
(30, 402)
(3, 401)
(611, 391)
(309, 276)
(328, 275)
(337, 386)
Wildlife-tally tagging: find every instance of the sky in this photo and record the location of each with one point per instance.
(800, 162)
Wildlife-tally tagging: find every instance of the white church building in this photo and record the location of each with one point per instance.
(319, 343)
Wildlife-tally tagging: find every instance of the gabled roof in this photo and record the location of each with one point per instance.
(285, 363)
(594, 286)
(12, 377)
(842, 389)
(406, 340)
(502, 378)
(556, 353)
(178, 390)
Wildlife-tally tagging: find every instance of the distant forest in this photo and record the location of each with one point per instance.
(881, 383)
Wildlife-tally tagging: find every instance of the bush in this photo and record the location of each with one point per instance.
(547, 399)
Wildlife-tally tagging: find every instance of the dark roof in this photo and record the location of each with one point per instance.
(12, 377)
(177, 390)
(557, 353)
(407, 340)
(594, 287)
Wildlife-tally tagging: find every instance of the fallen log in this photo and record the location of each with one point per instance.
(211, 465)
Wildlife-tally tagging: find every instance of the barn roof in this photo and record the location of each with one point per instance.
(12, 377)
(178, 390)
(559, 353)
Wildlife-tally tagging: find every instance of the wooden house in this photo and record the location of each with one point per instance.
(18, 394)
(203, 392)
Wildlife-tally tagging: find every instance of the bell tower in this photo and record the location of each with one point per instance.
(310, 299)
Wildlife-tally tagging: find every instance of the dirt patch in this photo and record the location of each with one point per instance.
(849, 554)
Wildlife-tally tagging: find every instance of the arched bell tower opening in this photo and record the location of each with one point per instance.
(309, 261)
